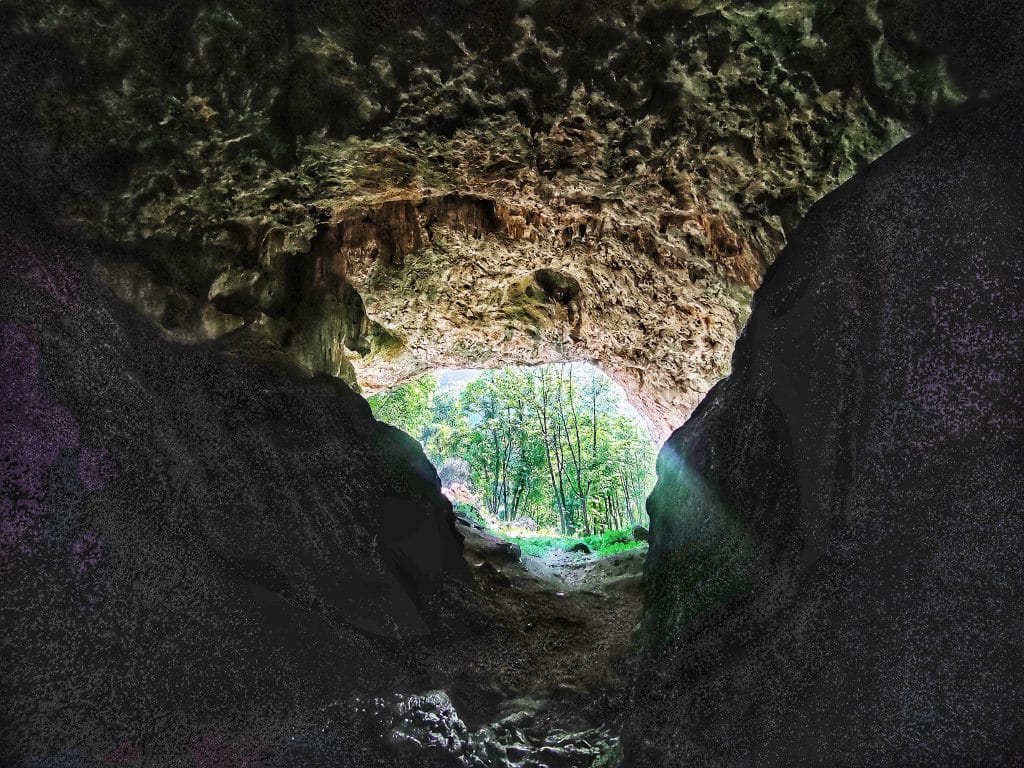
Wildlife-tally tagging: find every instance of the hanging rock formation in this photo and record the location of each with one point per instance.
(836, 569)
(376, 188)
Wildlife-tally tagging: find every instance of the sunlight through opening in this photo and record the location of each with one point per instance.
(551, 457)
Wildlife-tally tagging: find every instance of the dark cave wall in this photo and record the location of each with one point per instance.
(836, 568)
(197, 552)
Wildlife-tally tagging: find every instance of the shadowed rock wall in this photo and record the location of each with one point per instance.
(196, 552)
(836, 570)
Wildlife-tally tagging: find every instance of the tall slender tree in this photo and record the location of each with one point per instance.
(550, 442)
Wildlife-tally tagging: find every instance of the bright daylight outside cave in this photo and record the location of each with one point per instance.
(511, 383)
(552, 456)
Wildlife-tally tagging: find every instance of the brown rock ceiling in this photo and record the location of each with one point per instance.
(380, 192)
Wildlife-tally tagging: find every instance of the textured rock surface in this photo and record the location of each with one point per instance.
(196, 552)
(837, 547)
(428, 724)
(188, 559)
(382, 188)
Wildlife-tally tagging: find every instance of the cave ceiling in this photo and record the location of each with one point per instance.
(376, 190)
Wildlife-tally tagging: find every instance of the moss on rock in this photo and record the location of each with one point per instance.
(634, 144)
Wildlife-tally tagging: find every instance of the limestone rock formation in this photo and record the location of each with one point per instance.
(836, 572)
(383, 188)
(197, 552)
(429, 725)
(204, 534)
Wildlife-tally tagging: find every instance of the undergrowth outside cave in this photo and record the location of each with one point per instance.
(551, 457)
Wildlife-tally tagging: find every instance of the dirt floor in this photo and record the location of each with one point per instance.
(565, 622)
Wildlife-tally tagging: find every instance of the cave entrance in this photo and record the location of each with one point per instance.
(551, 457)
(548, 468)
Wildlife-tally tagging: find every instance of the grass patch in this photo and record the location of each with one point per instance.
(602, 545)
(611, 542)
(617, 547)
(540, 546)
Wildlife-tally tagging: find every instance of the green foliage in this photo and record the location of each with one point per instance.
(602, 545)
(408, 406)
(612, 542)
(614, 549)
(469, 512)
(540, 546)
(553, 443)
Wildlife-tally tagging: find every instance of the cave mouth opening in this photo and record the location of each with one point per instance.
(548, 468)
(551, 457)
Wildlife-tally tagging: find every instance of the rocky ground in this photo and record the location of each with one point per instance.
(572, 614)
(549, 689)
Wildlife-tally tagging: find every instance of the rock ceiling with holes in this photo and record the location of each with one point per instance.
(378, 189)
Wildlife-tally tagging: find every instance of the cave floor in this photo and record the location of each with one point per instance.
(565, 626)
(545, 684)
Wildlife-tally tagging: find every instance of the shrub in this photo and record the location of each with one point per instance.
(611, 542)
(469, 512)
(603, 544)
(539, 546)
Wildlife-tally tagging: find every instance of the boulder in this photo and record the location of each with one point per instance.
(454, 472)
(459, 493)
(836, 565)
(513, 551)
(524, 523)
(468, 522)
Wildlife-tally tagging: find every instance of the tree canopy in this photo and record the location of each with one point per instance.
(551, 442)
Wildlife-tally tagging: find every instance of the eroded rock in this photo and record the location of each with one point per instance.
(836, 559)
(378, 190)
(192, 543)
(428, 723)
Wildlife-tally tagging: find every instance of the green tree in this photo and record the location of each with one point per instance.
(407, 406)
(502, 446)
(448, 432)
(552, 442)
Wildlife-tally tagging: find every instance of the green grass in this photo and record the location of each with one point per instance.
(602, 545)
(616, 548)
(540, 546)
(611, 542)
